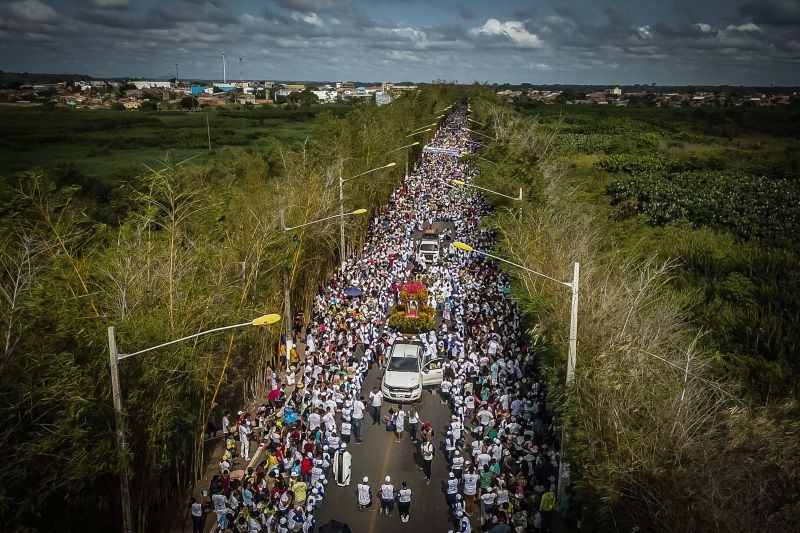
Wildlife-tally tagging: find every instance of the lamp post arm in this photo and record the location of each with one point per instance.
(215, 330)
(371, 170)
(285, 228)
(526, 269)
(495, 192)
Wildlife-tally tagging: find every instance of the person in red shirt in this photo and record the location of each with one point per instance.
(305, 467)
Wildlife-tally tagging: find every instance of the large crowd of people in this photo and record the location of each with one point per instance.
(499, 446)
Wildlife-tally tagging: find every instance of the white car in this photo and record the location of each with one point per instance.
(429, 249)
(407, 372)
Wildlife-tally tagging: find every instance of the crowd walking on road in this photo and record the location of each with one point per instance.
(499, 443)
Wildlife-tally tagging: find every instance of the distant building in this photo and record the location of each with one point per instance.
(152, 84)
(198, 89)
(382, 98)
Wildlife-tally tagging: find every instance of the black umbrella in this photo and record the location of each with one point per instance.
(334, 526)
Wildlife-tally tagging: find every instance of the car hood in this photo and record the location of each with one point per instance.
(401, 379)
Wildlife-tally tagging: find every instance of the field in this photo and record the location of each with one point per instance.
(106, 145)
(718, 192)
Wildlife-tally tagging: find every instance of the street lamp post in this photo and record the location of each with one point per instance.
(572, 337)
(341, 207)
(116, 391)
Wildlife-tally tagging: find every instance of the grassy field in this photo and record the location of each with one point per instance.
(717, 191)
(104, 144)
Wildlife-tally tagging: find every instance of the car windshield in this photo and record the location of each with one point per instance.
(404, 364)
(428, 247)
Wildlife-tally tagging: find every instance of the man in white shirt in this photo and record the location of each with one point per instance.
(364, 494)
(471, 479)
(197, 515)
(387, 497)
(452, 489)
(357, 418)
(244, 440)
(404, 502)
(376, 396)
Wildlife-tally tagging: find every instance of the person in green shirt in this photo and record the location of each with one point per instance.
(486, 478)
(546, 506)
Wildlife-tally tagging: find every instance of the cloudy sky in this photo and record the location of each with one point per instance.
(748, 42)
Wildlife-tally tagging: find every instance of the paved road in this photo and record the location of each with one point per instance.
(380, 456)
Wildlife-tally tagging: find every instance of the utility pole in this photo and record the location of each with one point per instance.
(341, 219)
(176, 75)
(224, 72)
(287, 304)
(122, 443)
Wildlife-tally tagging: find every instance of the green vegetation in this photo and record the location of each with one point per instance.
(684, 413)
(725, 209)
(175, 250)
(101, 144)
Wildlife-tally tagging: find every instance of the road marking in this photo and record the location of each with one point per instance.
(386, 455)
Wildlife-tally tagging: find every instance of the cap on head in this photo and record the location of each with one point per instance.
(365, 480)
(387, 479)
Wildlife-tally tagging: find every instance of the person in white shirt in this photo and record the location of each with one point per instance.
(399, 425)
(452, 489)
(197, 514)
(364, 494)
(464, 525)
(357, 418)
(426, 449)
(404, 502)
(314, 420)
(471, 479)
(376, 397)
(244, 440)
(387, 497)
(345, 431)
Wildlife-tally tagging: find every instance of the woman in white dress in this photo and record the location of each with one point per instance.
(399, 425)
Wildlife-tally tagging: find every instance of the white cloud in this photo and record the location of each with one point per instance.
(402, 55)
(539, 66)
(33, 11)
(705, 28)
(512, 29)
(749, 27)
(311, 18)
(644, 32)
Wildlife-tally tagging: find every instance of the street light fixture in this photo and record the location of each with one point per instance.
(116, 392)
(573, 330)
(461, 183)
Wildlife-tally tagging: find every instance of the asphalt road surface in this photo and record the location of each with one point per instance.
(380, 456)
